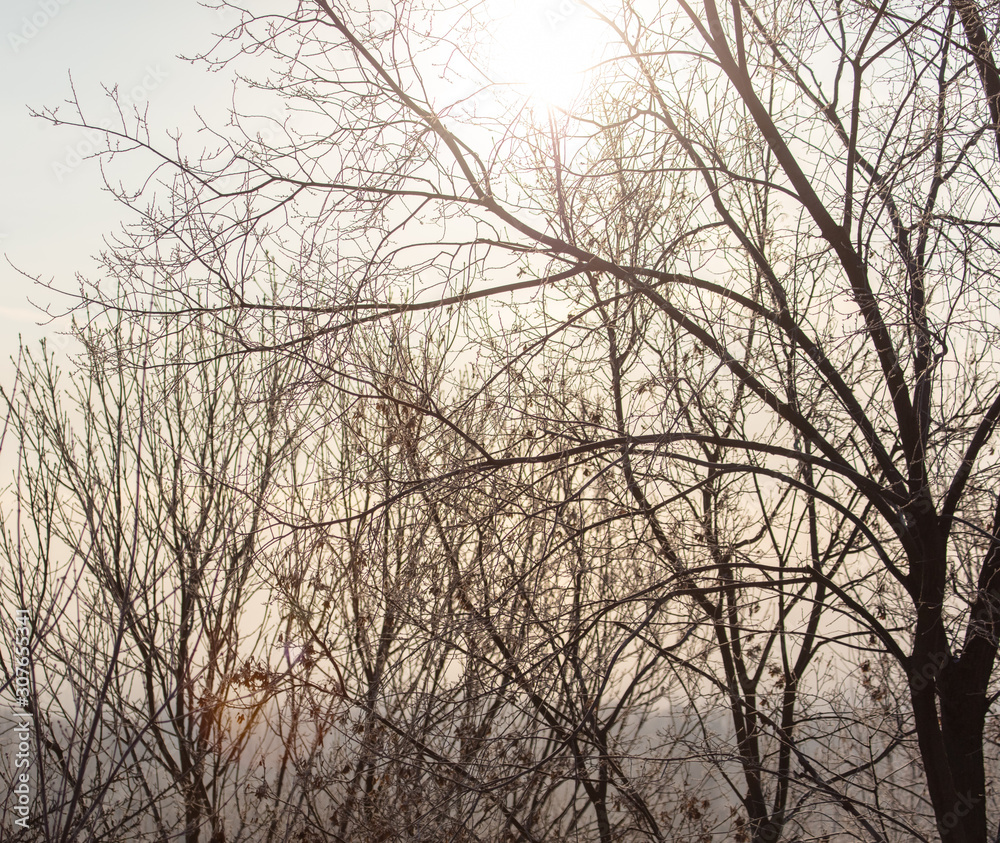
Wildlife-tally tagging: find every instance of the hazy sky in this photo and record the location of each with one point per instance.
(54, 213)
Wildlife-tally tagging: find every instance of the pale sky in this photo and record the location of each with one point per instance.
(54, 214)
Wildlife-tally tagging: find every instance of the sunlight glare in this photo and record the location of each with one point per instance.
(543, 50)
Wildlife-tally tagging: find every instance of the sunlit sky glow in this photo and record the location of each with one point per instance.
(55, 212)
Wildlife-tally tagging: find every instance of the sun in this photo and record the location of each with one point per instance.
(545, 51)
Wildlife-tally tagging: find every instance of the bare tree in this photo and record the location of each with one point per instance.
(678, 399)
(135, 553)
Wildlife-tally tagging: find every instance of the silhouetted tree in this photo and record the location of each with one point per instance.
(656, 430)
